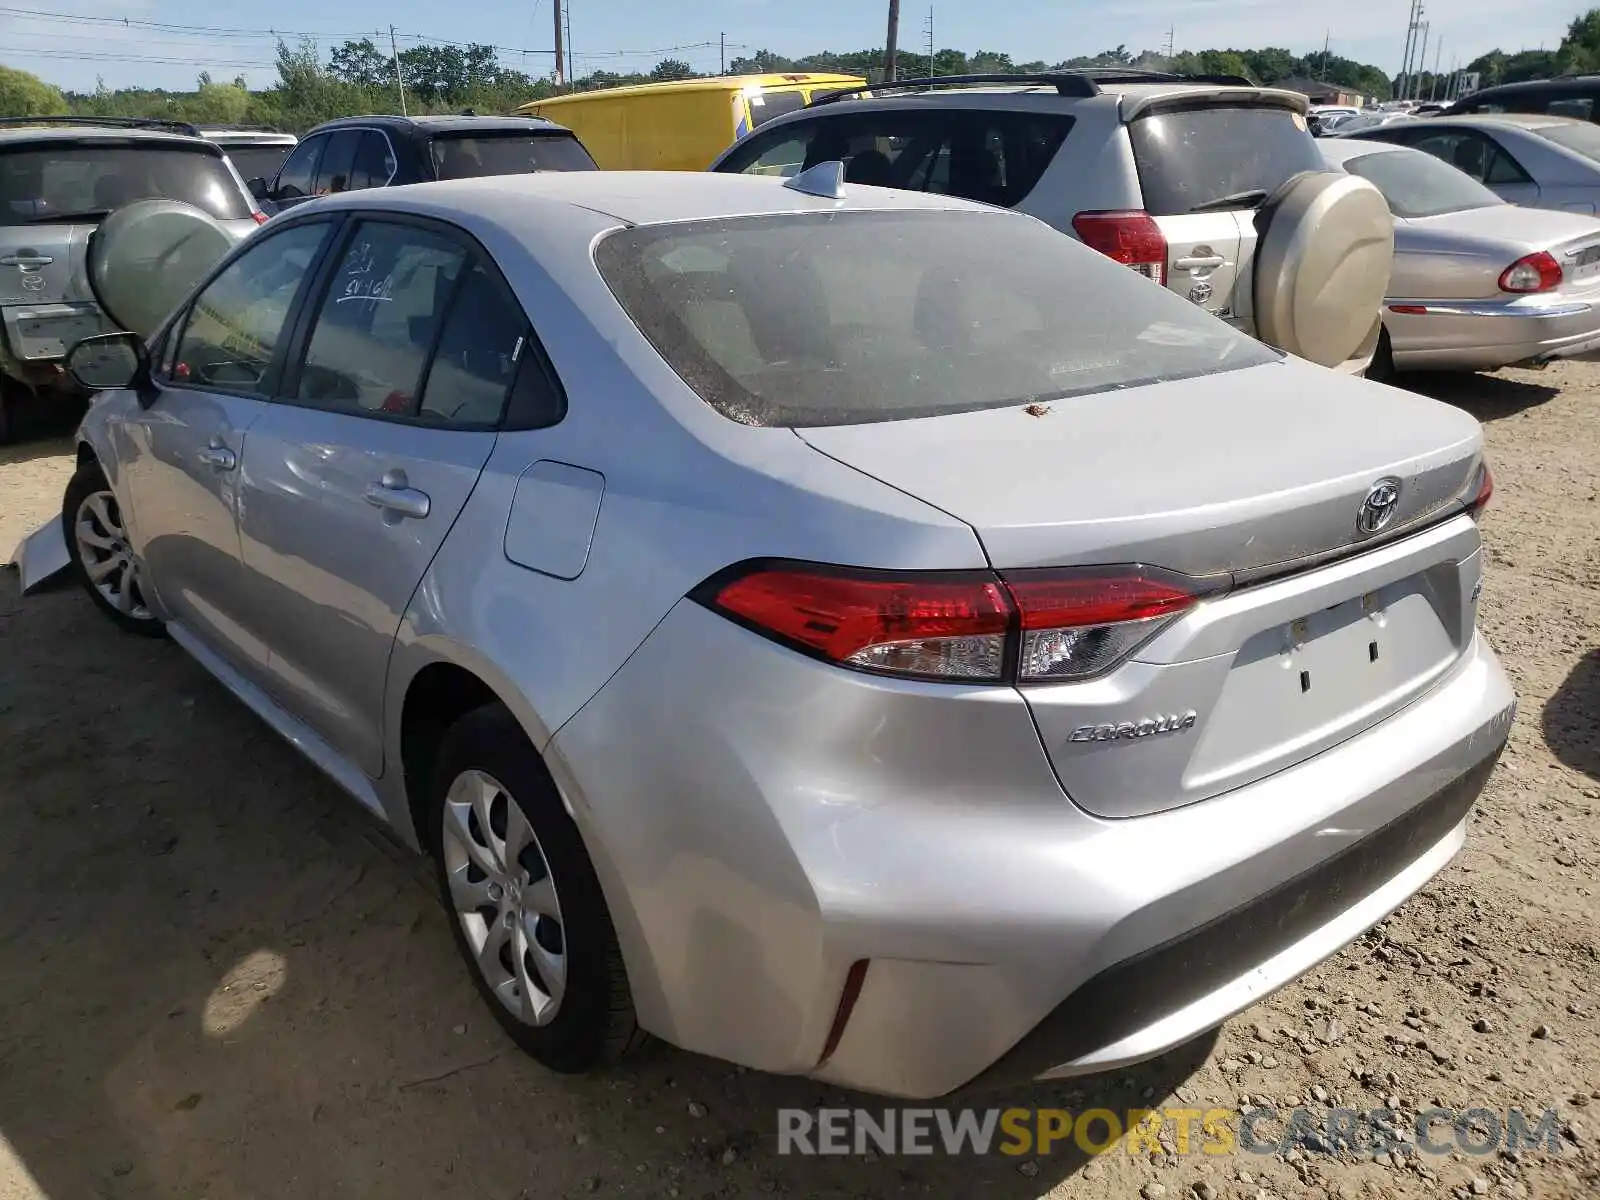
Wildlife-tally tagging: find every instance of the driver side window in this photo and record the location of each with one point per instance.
(233, 326)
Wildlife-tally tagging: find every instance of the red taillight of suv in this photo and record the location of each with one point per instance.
(1035, 626)
(259, 217)
(1132, 238)
(1536, 273)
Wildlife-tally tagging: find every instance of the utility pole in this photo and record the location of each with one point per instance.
(1433, 85)
(1422, 60)
(561, 59)
(891, 45)
(399, 84)
(1414, 27)
(930, 43)
(572, 63)
(1327, 41)
(723, 41)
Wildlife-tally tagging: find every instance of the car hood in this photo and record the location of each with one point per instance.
(1234, 472)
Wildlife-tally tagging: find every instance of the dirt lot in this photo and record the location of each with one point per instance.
(218, 979)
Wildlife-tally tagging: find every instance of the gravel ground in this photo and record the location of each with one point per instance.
(219, 979)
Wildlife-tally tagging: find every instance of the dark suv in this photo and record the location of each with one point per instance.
(1574, 96)
(364, 152)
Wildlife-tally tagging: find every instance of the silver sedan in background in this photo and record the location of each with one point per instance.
(1478, 283)
(1532, 159)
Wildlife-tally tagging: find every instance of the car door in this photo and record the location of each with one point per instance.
(352, 480)
(184, 450)
(296, 181)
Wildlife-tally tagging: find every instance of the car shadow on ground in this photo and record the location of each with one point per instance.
(1487, 397)
(1571, 717)
(219, 978)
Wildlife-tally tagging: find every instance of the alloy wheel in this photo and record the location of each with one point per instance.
(107, 558)
(505, 897)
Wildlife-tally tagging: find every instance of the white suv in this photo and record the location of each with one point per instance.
(1211, 185)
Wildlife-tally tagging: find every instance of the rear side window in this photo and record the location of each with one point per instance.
(375, 162)
(994, 157)
(845, 318)
(257, 162)
(483, 337)
(49, 182)
(1419, 185)
(333, 173)
(508, 154)
(1580, 139)
(1581, 107)
(1196, 156)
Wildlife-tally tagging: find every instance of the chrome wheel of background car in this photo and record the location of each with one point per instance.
(107, 558)
(505, 898)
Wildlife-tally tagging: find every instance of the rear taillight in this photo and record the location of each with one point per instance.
(1481, 490)
(1132, 238)
(1034, 626)
(1535, 273)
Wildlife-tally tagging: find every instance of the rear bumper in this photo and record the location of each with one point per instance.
(761, 821)
(1481, 335)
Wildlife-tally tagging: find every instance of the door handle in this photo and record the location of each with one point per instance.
(26, 261)
(1198, 262)
(394, 494)
(218, 457)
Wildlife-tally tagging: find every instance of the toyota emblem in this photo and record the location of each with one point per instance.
(33, 283)
(1378, 509)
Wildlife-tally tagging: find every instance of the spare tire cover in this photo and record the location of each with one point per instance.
(145, 259)
(1324, 254)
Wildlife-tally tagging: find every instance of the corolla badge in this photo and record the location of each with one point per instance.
(1379, 507)
(1135, 730)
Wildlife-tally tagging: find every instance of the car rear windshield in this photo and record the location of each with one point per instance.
(43, 182)
(1419, 185)
(508, 154)
(253, 162)
(1195, 156)
(846, 318)
(766, 105)
(1581, 138)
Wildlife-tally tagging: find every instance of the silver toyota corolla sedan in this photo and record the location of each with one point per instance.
(1477, 283)
(853, 633)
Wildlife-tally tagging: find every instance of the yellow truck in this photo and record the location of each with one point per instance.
(682, 125)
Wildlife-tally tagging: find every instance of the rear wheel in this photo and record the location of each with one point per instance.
(102, 558)
(528, 914)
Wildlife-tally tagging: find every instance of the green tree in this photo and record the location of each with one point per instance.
(671, 68)
(25, 95)
(361, 64)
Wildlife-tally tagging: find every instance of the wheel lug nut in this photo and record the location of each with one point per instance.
(496, 891)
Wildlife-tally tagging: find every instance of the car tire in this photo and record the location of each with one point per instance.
(101, 556)
(531, 923)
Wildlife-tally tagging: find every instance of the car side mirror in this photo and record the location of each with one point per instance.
(109, 360)
(258, 188)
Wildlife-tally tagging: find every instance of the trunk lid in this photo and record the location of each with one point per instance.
(1248, 473)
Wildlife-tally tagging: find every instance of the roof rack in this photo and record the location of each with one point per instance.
(226, 127)
(1080, 82)
(182, 127)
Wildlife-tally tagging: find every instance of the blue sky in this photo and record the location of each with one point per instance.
(634, 34)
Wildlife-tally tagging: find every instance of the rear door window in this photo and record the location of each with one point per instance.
(508, 154)
(1469, 151)
(333, 172)
(995, 157)
(55, 181)
(294, 181)
(1581, 107)
(375, 162)
(1196, 156)
(483, 337)
(378, 320)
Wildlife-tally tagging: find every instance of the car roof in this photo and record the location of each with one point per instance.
(536, 200)
(1502, 120)
(715, 83)
(447, 124)
(12, 134)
